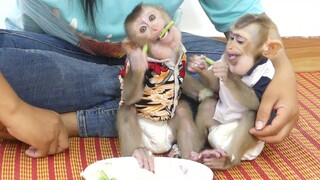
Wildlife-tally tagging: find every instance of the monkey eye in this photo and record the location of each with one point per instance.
(143, 29)
(152, 17)
(240, 40)
(231, 36)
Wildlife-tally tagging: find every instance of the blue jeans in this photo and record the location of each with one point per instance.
(50, 73)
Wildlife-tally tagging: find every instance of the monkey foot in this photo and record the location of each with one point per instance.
(174, 152)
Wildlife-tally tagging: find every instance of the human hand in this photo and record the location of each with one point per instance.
(284, 101)
(42, 129)
(145, 158)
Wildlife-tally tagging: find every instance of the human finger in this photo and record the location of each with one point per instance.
(264, 111)
(34, 152)
(277, 131)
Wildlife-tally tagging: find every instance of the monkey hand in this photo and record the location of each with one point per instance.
(145, 158)
(137, 59)
(221, 70)
(197, 64)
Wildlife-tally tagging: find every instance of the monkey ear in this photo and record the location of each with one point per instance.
(272, 48)
(127, 45)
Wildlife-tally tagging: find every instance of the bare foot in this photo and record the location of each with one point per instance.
(213, 158)
(216, 162)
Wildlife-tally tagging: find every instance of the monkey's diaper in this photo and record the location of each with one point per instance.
(157, 136)
(220, 137)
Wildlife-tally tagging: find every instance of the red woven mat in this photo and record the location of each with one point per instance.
(298, 157)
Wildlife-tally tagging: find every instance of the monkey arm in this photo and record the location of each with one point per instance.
(133, 86)
(192, 87)
(245, 94)
(210, 80)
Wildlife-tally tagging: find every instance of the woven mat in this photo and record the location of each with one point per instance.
(298, 157)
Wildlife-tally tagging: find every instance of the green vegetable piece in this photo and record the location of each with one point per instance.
(103, 175)
(145, 49)
(209, 61)
(168, 26)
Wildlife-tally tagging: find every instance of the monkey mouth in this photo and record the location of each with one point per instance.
(164, 32)
(164, 36)
(233, 58)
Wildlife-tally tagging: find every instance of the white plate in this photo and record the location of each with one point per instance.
(127, 168)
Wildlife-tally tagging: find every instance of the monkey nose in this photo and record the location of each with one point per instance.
(155, 28)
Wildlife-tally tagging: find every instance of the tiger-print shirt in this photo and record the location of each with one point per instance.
(162, 88)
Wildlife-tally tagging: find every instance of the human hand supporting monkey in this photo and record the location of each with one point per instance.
(280, 99)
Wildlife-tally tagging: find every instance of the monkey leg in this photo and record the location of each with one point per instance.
(130, 135)
(241, 140)
(185, 130)
(204, 117)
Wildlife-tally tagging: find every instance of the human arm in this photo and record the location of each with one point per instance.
(283, 100)
(42, 129)
(223, 14)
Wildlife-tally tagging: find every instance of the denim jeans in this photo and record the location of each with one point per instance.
(50, 73)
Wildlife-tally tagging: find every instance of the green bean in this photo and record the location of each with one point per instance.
(103, 175)
(209, 61)
(168, 26)
(145, 49)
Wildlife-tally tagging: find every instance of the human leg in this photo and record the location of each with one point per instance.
(45, 42)
(198, 45)
(56, 76)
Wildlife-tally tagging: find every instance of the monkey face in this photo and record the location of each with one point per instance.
(149, 24)
(242, 50)
(146, 30)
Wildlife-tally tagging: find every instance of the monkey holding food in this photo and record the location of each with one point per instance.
(240, 78)
(151, 117)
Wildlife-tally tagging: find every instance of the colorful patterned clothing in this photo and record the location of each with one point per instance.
(162, 87)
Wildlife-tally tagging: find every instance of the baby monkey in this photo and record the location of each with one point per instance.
(240, 77)
(151, 117)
